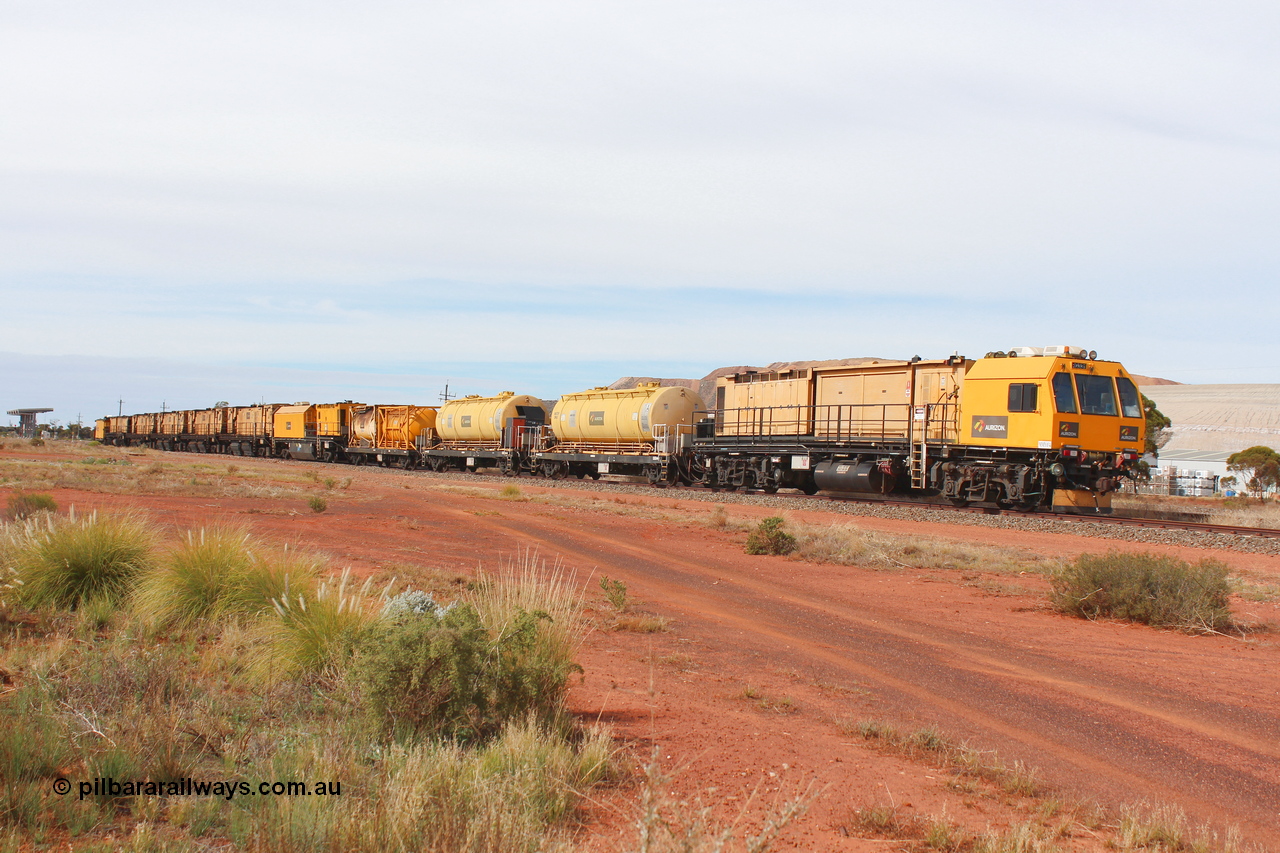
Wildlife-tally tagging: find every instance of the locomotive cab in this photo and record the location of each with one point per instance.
(1082, 416)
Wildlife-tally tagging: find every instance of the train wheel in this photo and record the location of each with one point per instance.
(959, 501)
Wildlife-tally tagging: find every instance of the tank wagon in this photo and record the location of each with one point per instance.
(647, 430)
(391, 435)
(488, 432)
(1051, 427)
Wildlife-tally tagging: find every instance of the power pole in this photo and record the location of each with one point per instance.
(445, 395)
(120, 411)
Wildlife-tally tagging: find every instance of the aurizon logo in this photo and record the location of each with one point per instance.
(983, 426)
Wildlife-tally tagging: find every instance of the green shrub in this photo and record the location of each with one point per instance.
(37, 441)
(770, 538)
(527, 586)
(504, 653)
(1150, 588)
(434, 673)
(26, 505)
(317, 503)
(615, 592)
(69, 562)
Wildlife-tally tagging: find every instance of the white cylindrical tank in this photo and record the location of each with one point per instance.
(625, 416)
(477, 418)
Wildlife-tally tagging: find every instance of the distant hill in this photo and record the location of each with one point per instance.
(1152, 380)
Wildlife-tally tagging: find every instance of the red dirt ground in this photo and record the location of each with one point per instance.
(766, 657)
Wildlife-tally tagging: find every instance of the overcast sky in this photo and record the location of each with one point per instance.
(242, 200)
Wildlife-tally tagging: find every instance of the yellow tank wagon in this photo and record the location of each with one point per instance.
(643, 430)
(488, 432)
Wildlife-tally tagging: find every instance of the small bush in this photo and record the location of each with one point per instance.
(67, 563)
(317, 503)
(511, 492)
(615, 592)
(37, 441)
(426, 674)
(26, 505)
(413, 601)
(770, 538)
(1149, 588)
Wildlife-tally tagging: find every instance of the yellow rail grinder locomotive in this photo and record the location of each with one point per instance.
(1031, 428)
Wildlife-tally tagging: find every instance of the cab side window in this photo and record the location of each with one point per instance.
(1064, 399)
(1022, 396)
(1129, 405)
(1097, 394)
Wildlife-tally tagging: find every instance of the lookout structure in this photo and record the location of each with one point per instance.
(27, 420)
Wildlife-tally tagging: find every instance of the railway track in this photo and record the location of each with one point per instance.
(1155, 523)
(1149, 522)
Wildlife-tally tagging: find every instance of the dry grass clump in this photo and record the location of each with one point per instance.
(507, 795)
(526, 584)
(642, 623)
(1165, 829)
(316, 628)
(1249, 515)
(845, 544)
(1153, 589)
(931, 744)
(24, 505)
(666, 824)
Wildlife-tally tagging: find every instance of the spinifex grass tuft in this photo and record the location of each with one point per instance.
(67, 562)
(315, 630)
(219, 571)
